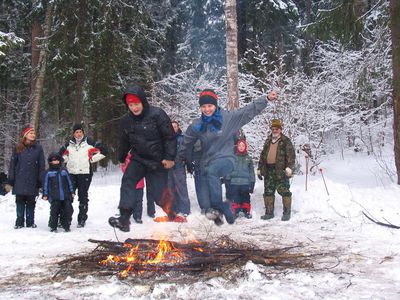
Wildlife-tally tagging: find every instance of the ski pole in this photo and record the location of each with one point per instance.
(323, 178)
(306, 157)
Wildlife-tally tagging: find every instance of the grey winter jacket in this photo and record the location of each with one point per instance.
(243, 172)
(220, 144)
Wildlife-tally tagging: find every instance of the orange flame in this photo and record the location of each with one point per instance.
(166, 252)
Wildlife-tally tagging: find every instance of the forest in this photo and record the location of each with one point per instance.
(329, 60)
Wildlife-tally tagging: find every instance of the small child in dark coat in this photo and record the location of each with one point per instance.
(59, 191)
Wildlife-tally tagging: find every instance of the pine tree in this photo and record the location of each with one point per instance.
(395, 29)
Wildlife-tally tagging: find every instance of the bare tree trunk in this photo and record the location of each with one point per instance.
(35, 53)
(395, 30)
(80, 74)
(232, 54)
(42, 71)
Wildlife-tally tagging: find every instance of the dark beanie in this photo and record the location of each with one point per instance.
(208, 96)
(77, 126)
(55, 156)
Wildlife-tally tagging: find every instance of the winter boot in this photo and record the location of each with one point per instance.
(235, 209)
(212, 214)
(138, 220)
(247, 210)
(269, 207)
(180, 218)
(215, 215)
(137, 217)
(287, 205)
(122, 223)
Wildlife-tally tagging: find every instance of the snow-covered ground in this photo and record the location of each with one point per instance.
(368, 255)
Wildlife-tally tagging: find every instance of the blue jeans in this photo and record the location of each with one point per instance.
(178, 187)
(199, 184)
(25, 207)
(213, 172)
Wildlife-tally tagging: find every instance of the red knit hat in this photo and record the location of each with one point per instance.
(208, 96)
(132, 98)
(26, 131)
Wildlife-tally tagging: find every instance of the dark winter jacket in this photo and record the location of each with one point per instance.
(243, 172)
(150, 136)
(57, 184)
(26, 171)
(285, 156)
(179, 141)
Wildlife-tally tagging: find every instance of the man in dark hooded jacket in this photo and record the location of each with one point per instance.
(147, 133)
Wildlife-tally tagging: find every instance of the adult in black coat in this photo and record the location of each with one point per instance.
(26, 174)
(146, 132)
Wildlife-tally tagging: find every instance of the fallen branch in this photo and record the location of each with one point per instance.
(373, 219)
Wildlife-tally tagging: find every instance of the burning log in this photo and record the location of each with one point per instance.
(144, 258)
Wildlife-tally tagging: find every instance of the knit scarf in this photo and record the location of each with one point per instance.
(214, 122)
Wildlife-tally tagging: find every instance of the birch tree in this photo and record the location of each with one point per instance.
(42, 71)
(232, 53)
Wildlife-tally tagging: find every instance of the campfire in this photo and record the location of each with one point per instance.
(146, 256)
(136, 259)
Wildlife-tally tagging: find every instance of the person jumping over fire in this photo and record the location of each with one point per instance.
(147, 133)
(215, 129)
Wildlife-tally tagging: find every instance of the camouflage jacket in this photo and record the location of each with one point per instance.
(285, 156)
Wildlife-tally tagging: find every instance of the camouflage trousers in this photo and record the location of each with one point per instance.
(272, 183)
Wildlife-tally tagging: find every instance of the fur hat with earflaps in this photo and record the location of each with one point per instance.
(276, 123)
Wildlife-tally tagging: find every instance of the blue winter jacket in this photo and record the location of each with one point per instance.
(179, 141)
(57, 185)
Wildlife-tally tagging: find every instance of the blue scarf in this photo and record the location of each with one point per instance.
(214, 122)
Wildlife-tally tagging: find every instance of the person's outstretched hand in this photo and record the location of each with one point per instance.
(272, 96)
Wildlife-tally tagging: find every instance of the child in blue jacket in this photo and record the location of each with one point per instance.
(59, 191)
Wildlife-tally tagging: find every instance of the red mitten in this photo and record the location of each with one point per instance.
(93, 151)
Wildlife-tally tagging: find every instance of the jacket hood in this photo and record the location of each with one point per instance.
(138, 91)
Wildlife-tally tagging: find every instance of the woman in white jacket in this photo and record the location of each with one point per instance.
(79, 154)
